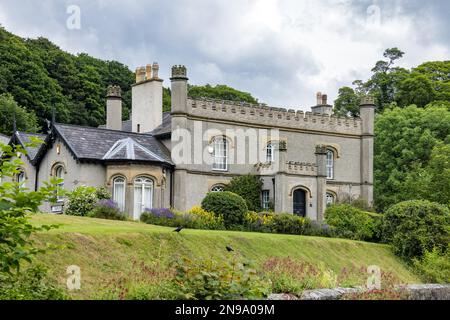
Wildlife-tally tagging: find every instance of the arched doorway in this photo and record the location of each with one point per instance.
(299, 202)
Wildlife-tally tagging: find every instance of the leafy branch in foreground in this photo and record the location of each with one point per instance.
(17, 203)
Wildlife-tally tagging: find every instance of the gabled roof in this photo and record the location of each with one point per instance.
(26, 138)
(96, 144)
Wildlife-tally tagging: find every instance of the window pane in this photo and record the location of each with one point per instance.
(119, 193)
(220, 153)
(265, 199)
(330, 164)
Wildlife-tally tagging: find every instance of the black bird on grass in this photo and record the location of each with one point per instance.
(178, 229)
(229, 249)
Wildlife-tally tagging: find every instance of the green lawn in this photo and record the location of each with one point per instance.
(103, 249)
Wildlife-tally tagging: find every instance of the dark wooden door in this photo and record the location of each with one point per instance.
(300, 203)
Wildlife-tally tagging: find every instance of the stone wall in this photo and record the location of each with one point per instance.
(415, 292)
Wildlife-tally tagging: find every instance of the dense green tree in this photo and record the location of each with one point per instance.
(416, 89)
(41, 76)
(25, 121)
(404, 141)
(249, 187)
(221, 92)
(347, 103)
(432, 180)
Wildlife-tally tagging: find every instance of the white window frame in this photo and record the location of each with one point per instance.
(330, 164)
(220, 153)
(270, 152)
(218, 188)
(329, 196)
(142, 183)
(265, 199)
(119, 180)
(60, 173)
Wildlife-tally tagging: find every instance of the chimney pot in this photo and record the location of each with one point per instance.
(155, 68)
(324, 99)
(148, 72)
(319, 98)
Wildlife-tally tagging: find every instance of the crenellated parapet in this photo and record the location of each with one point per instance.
(302, 168)
(260, 114)
(113, 91)
(179, 72)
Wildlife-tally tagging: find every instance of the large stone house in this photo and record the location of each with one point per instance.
(173, 159)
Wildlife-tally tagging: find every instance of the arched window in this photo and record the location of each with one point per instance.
(21, 177)
(329, 199)
(218, 188)
(119, 192)
(143, 196)
(220, 154)
(59, 174)
(330, 164)
(270, 152)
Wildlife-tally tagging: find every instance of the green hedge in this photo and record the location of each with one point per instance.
(230, 206)
(413, 227)
(352, 223)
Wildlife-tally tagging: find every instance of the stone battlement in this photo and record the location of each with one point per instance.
(113, 91)
(301, 168)
(273, 117)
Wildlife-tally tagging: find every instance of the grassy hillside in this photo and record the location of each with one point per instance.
(104, 249)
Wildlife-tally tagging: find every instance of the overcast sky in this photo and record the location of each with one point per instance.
(282, 52)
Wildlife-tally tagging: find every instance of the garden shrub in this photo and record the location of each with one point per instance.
(258, 222)
(228, 205)
(289, 224)
(31, 284)
(249, 188)
(413, 227)
(350, 222)
(218, 280)
(318, 229)
(107, 209)
(82, 200)
(196, 218)
(205, 219)
(434, 266)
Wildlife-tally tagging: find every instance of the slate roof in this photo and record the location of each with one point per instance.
(126, 126)
(166, 127)
(88, 143)
(25, 138)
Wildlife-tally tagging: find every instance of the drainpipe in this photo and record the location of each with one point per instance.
(171, 186)
(273, 183)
